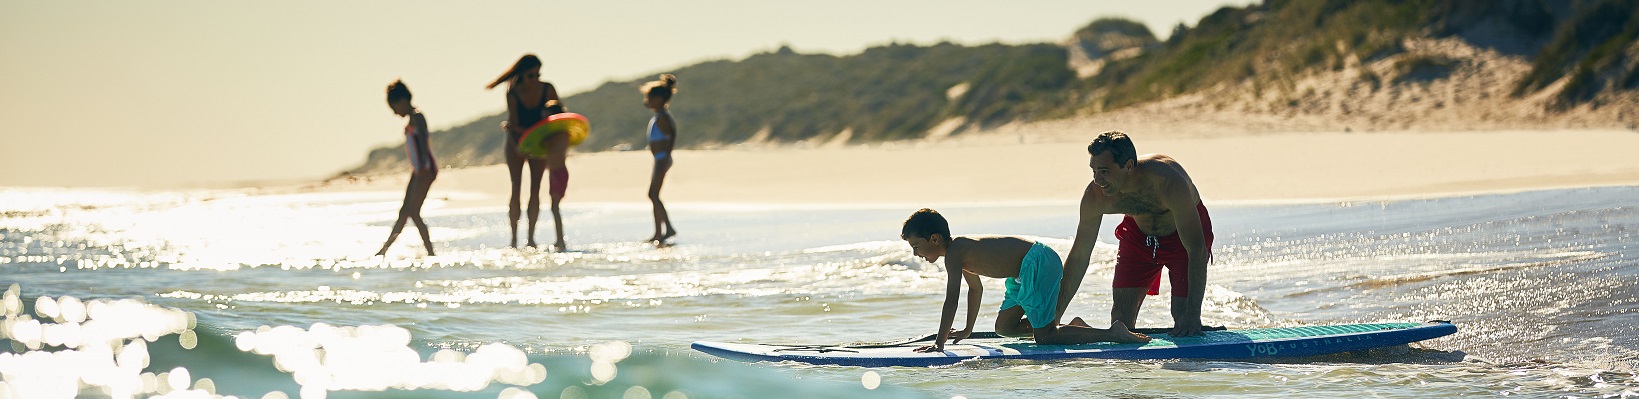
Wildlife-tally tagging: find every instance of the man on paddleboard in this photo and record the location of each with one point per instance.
(1165, 225)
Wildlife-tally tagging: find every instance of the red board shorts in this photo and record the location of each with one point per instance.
(1139, 258)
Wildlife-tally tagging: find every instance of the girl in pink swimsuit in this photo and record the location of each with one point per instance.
(423, 168)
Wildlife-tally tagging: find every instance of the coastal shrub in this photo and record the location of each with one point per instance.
(1424, 67)
(1589, 43)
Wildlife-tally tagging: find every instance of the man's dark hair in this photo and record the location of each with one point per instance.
(1116, 143)
(924, 224)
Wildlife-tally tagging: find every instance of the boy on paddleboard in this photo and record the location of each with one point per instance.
(1033, 271)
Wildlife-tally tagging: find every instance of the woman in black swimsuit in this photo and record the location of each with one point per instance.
(528, 101)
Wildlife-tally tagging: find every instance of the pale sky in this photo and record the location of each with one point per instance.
(207, 93)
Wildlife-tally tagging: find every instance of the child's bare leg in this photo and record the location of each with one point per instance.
(661, 217)
(537, 169)
(557, 223)
(414, 193)
(1011, 322)
(426, 240)
(557, 163)
(1072, 334)
(398, 226)
(662, 221)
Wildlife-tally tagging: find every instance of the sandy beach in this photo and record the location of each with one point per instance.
(1050, 166)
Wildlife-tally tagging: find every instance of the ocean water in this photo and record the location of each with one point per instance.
(195, 294)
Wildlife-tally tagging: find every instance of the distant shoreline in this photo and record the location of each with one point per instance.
(1049, 166)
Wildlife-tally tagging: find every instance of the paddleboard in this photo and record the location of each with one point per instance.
(1223, 344)
(533, 142)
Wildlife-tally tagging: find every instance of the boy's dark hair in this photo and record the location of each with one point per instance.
(1116, 143)
(924, 224)
(398, 91)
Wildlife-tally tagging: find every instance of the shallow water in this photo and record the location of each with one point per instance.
(276, 296)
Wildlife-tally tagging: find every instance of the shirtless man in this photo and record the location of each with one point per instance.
(1165, 226)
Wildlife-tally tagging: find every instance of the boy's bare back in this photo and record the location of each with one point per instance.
(988, 255)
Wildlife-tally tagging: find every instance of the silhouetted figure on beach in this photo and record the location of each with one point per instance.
(529, 101)
(423, 168)
(657, 95)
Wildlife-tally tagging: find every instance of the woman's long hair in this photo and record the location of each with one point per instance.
(527, 62)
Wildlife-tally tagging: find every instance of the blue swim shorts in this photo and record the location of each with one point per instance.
(1037, 286)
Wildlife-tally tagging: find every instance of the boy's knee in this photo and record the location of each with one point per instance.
(1012, 329)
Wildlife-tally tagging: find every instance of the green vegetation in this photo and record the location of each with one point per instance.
(901, 91)
(1266, 43)
(890, 92)
(1107, 35)
(1424, 67)
(1590, 47)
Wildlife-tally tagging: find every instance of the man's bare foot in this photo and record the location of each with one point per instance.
(669, 234)
(531, 244)
(1120, 334)
(559, 246)
(382, 253)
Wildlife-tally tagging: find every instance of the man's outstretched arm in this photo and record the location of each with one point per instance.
(1081, 251)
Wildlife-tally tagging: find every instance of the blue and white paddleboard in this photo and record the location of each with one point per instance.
(1224, 344)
